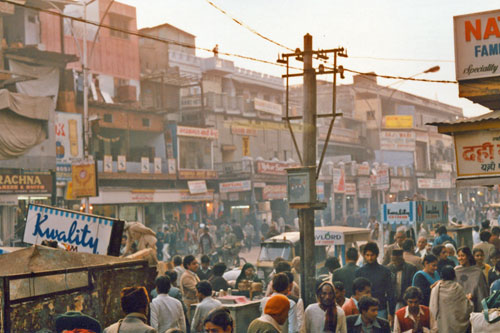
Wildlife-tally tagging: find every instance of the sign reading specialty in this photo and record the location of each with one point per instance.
(78, 232)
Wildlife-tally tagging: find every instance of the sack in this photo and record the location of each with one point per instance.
(491, 302)
(479, 325)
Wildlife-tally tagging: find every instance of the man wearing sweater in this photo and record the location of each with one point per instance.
(275, 315)
(380, 278)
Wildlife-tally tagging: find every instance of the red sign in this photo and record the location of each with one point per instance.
(272, 192)
(197, 174)
(198, 132)
(273, 168)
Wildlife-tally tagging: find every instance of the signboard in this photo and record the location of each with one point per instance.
(78, 232)
(239, 186)
(245, 146)
(84, 178)
(197, 186)
(272, 168)
(432, 211)
(399, 212)
(338, 180)
(301, 186)
(157, 165)
(122, 163)
(381, 181)
(108, 163)
(69, 142)
(477, 153)
(63, 172)
(171, 166)
(185, 196)
(350, 188)
(433, 183)
(242, 130)
(398, 121)
(477, 40)
(320, 190)
(274, 192)
(198, 132)
(197, 174)
(267, 107)
(400, 141)
(25, 182)
(328, 238)
(364, 188)
(363, 169)
(144, 164)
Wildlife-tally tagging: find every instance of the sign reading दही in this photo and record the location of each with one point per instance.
(477, 153)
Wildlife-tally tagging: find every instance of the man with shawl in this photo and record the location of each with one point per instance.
(325, 316)
(449, 304)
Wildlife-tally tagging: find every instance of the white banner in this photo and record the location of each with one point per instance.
(157, 165)
(108, 163)
(477, 40)
(400, 141)
(197, 186)
(122, 163)
(364, 188)
(76, 231)
(239, 186)
(144, 164)
(328, 238)
(69, 142)
(478, 153)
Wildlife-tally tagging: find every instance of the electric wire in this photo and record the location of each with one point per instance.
(246, 26)
(163, 40)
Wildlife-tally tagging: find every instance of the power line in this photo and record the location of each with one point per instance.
(402, 59)
(163, 40)
(398, 77)
(246, 26)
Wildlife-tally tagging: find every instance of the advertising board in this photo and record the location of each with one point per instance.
(77, 232)
(477, 153)
(328, 238)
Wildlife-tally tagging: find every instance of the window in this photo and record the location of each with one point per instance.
(108, 118)
(145, 122)
(370, 115)
(119, 22)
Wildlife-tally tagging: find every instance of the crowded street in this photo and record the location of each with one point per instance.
(222, 166)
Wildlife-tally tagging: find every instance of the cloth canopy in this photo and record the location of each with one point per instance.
(23, 122)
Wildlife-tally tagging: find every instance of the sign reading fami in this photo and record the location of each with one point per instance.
(26, 183)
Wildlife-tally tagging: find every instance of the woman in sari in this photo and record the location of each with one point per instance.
(471, 277)
(449, 304)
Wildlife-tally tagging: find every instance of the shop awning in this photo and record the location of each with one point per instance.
(23, 122)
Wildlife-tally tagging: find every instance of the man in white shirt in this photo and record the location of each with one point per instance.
(281, 285)
(207, 304)
(166, 311)
(325, 316)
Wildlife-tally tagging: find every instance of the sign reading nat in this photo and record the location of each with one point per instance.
(75, 231)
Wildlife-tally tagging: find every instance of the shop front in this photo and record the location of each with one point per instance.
(152, 207)
(19, 188)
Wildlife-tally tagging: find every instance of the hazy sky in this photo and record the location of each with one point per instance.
(420, 32)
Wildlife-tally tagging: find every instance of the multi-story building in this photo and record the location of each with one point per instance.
(380, 149)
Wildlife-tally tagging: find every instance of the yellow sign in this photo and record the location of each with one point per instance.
(84, 179)
(246, 146)
(398, 121)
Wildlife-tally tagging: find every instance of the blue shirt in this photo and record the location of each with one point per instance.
(495, 286)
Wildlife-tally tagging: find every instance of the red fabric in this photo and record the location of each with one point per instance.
(350, 308)
(407, 324)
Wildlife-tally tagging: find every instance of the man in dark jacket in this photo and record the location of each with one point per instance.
(402, 273)
(367, 320)
(380, 277)
(346, 273)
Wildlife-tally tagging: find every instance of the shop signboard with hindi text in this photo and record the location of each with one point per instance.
(77, 232)
(477, 153)
(397, 140)
(238, 186)
(197, 186)
(272, 168)
(274, 192)
(364, 188)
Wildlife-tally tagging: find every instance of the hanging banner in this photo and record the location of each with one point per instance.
(171, 163)
(197, 186)
(144, 164)
(77, 232)
(84, 178)
(338, 181)
(108, 163)
(364, 188)
(350, 188)
(122, 163)
(157, 165)
(246, 146)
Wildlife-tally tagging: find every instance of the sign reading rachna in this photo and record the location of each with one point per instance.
(77, 232)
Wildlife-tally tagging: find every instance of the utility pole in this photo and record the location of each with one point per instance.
(306, 215)
(306, 176)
